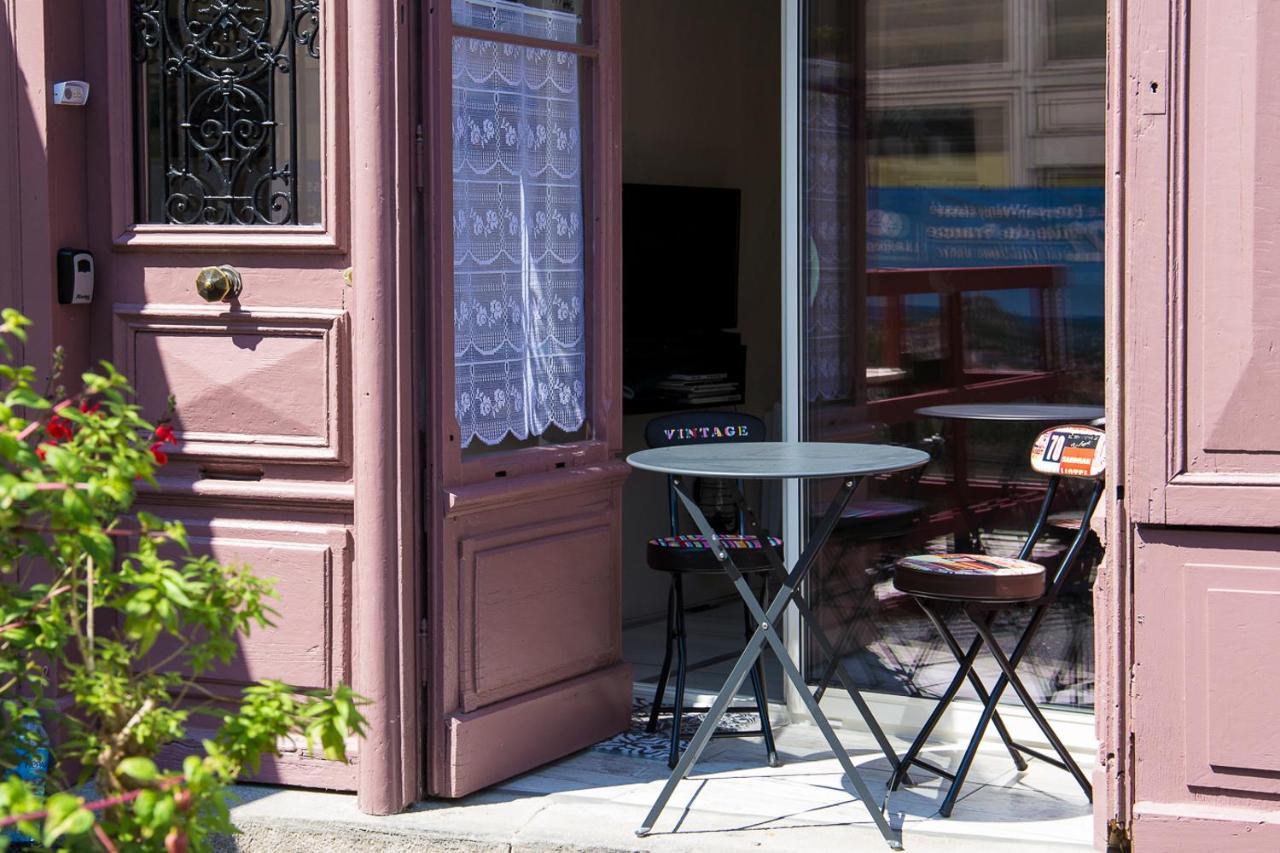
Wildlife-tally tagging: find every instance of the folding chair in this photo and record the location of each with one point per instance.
(690, 554)
(983, 586)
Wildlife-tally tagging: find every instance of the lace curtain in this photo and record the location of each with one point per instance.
(517, 227)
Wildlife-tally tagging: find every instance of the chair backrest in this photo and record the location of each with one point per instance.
(699, 427)
(1070, 451)
(1067, 451)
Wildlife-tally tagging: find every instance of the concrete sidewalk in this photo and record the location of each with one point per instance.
(594, 801)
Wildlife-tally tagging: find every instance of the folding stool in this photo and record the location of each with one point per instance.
(983, 586)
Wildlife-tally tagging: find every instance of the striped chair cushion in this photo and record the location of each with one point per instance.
(698, 542)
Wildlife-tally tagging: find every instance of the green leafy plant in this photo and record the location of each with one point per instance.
(107, 620)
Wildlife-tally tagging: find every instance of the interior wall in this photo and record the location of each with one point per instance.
(701, 106)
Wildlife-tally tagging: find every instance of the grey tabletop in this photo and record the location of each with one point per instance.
(778, 460)
(1037, 412)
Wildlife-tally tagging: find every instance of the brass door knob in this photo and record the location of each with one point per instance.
(218, 284)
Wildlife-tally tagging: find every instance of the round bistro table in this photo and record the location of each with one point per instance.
(1044, 413)
(778, 461)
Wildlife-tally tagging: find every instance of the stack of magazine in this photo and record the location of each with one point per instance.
(700, 389)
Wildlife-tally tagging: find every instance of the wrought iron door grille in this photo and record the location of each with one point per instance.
(227, 102)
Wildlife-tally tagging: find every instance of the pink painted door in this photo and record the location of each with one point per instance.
(523, 626)
(1199, 405)
(215, 138)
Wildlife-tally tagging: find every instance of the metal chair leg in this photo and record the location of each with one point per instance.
(677, 710)
(978, 687)
(1033, 709)
(758, 688)
(912, 755)
(660, 693)
(988, 711)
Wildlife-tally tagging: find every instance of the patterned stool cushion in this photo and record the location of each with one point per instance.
(1069, 520)
(691, 553)
(970, 577)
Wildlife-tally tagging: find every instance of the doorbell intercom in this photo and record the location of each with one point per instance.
(75, 277)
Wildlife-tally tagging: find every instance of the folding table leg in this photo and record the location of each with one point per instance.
(766, 632)
(760, 693)
(703, 735)
(806, 615)
(820, 720)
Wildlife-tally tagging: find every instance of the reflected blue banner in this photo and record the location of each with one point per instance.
(931, 227)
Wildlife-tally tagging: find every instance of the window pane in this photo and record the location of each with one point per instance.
(227, 106)
(1077, 29)
(519, 312)
(952, 254)
(554, 20)
(919, 33)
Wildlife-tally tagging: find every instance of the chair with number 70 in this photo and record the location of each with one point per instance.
(983, 586)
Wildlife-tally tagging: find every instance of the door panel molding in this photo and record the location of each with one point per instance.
(1228, 746)
(255, 385)
(537, 606)
(481, 747)
(1202, 705)
(1200, 243)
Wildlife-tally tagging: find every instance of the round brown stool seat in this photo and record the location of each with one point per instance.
(692, 554)
(970, 577)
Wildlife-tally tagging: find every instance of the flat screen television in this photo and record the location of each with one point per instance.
(679, 259)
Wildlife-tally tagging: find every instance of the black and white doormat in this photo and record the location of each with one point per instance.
(639, 743)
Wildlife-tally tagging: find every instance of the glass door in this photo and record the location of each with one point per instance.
(947, 248)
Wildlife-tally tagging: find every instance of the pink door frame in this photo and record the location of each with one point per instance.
(386, 469)
(1186, 607)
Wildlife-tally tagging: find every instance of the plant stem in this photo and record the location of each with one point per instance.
(97, 805)
(89, 616)
(104, 839)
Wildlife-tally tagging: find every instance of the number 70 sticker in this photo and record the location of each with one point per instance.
(1070, 451)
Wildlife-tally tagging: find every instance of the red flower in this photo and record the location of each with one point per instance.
(58, 428)
(90, 409)
(164, 435)
(161, 457)
(40, 452)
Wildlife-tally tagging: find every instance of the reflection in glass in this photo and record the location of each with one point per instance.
(952, 253)
(927, 33)
(1077, 29)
